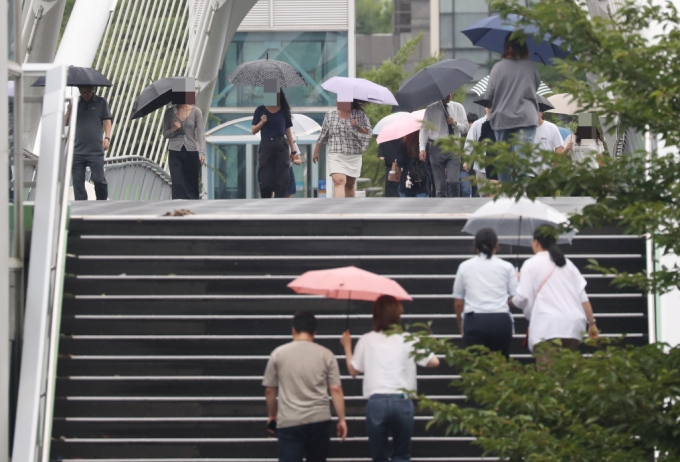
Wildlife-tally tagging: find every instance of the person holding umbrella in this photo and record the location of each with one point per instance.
(389, 367)
(443, 118)
(93, 118)
(552, 294)
(184, 128)
(347, 132)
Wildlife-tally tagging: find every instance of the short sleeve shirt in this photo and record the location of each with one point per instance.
(302, 371)
(548, 138)
(90, 125)
(485, 284)
(586, 151)
(276, 122)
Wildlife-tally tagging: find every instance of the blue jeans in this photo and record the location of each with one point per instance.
(389, 415)
(417, 195)
(467, 189)
(522, 135)
(311, 441)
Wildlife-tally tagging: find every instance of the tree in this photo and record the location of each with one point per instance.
(374, 16)
(639, 90)
(610, 407)
(390, 74)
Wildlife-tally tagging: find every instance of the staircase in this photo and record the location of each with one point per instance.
(168, 323)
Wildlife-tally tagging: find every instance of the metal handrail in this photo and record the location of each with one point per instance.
(46, 272)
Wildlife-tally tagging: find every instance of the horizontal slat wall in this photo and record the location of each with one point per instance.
(298, 15)
(259, 17)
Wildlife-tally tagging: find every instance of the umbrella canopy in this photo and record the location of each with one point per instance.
(348, 283)
(483, 102)
(564, 103)
(349, 89)
(304, 125)
(490, 33)
(382, 123)
(162, 92)
(402, 126)
(254, 73)
(480, 87)
(81, 77)
(434, 83)
(515, 221)
(543, 104)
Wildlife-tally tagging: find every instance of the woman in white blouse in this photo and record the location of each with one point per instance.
(552, 294)
(481, 291)
(389, 368)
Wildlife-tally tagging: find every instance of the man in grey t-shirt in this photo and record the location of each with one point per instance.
(93, 119)
(302, 373)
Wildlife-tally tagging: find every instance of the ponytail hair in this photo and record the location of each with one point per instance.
(486, 241)
(547, 236)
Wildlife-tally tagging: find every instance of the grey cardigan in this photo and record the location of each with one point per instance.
(512, 92)
(192, 133)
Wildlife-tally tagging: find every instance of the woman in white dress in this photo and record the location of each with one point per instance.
(347, 134)
(552, 294)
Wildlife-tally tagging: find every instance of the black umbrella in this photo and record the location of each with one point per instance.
(81, 77)
(483, 102)
(434, 83)
(176, 90)
(543, 104)
(254, 73)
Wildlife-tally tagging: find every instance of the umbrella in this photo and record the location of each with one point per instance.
(480, 87)
(254, 73)
(347, 283)
(164, 91)
(81, 77)
(515, 221)
(402, 126)
(490, 33)
(387, 120)
(303, 125)
(543, 104)
(483, 102)
(434, 83)
(349, 89)
(564, 103)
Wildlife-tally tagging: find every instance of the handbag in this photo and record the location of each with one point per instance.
(526, 337)
(395, 173)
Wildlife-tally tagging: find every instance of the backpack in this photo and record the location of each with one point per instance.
(417, 171)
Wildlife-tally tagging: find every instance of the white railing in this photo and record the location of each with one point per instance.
(46, 272)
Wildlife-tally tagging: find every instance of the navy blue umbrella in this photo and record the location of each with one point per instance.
(490, 33)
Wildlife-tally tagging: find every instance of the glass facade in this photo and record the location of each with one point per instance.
(318, 56)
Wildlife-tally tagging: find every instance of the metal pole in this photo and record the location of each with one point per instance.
(4, 238)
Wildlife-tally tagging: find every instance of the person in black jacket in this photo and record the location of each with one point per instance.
(388, 152)
(415, 180)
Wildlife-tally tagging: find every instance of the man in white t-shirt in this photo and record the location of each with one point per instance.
(548, 137)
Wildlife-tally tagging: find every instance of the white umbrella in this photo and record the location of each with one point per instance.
(515, 221)
(386, 121)
(349, 88)
(566, 104)
(303, 125)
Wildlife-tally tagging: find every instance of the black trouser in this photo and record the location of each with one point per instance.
(391, 187)
(185, 168)
(311, 441)
(96, 164)
(273, 173)
(493, 330)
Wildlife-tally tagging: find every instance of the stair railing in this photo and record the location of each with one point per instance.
(46, 270)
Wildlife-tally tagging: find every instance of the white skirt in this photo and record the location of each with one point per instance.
(346, 164)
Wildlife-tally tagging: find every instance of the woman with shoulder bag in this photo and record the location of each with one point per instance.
(347, 134)
(552, 294)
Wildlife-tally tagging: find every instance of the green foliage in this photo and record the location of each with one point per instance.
(612, 406)
(374, 16)
(641, 93)
(390, 74)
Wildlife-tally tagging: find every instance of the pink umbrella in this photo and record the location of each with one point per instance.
(348, 283)
(402, 126)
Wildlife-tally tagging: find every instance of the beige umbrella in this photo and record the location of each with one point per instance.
(565, 103)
